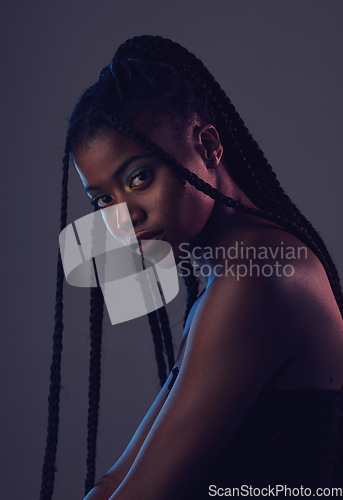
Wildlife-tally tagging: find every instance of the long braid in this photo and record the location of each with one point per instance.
(155, 327)
(48, 470)
(96, 317)
(167, 335)
(158, 345)
(161, 333)
(95, 321)
(192, 285)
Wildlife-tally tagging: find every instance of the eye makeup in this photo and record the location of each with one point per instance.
(102, 200)
(129, 177)
(97, 200)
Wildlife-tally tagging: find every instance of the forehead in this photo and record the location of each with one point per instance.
(111, 148)
(106, 148)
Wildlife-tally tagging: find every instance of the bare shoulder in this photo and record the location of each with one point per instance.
(297, 273)
(272, 299)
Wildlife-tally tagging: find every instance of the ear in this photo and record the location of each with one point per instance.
(208, 144)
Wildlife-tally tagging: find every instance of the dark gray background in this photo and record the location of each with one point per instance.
(280, 61)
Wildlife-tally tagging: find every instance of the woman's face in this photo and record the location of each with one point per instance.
(115, 169)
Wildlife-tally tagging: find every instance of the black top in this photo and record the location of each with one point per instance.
(289, 437)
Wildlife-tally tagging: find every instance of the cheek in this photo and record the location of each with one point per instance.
(198, 208)
(191, 212)
(180, 208)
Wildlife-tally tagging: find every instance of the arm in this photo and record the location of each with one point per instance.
(112, 479)
(239, 337)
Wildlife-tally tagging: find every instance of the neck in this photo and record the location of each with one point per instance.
(224, 230)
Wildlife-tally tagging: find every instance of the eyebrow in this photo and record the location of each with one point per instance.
(120, 169)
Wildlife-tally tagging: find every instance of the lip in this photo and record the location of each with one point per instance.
(150, 235)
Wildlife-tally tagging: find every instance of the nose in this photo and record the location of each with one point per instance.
(123, 218)
(129, 214)
(120, 220)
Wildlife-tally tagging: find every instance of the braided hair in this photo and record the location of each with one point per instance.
(157, 77)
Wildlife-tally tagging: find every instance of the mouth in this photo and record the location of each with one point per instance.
(149, 235)
(149, 246)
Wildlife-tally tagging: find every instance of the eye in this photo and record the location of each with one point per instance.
(102, 201)
(139, 179)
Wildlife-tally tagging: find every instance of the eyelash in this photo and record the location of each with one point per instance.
(129, 181)
(136, 175)
(95, 201)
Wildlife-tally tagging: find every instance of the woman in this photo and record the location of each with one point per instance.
(254, 397)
